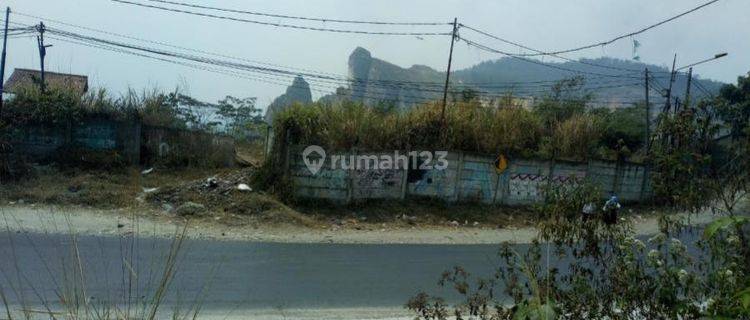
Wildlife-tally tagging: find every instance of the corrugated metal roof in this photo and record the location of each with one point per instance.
(23, 77)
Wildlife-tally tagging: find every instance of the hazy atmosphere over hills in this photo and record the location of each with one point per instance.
(374, 80)
(546, 26)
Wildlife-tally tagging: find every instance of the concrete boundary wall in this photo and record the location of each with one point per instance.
(469, 178)
(39, 141)
(137, 143)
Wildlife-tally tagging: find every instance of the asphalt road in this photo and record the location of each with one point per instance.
(226, 275)
(262, 275)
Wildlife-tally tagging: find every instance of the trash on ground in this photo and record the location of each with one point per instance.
(150, 190)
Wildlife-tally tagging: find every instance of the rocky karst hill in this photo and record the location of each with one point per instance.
(298, 92)
(375, 81)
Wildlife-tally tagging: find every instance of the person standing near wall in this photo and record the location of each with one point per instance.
(611, 208)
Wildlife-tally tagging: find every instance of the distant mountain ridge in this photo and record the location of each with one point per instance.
(375, 80)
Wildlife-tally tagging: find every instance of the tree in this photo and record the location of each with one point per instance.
(241, 114)
(623, 127)
(733, 105)
(564, 101)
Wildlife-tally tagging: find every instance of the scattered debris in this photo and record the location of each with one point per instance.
(147, 171)
(244, 187)
(211, 182)
(454, 224)
(150, 190)
(221, 195)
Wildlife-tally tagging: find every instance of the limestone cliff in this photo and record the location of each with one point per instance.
(376, 81)
(298, 92)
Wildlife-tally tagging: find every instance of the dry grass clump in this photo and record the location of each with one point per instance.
(572, 133)
(140, 295)
(468, 127)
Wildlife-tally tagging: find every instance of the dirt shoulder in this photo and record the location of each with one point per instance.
(214, 206)
(85, 221)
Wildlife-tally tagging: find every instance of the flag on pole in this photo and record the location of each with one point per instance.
(636, 45)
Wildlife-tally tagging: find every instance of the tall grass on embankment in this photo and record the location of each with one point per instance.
(542, 131)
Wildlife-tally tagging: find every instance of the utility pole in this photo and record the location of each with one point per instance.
(668, 106)
(2, 60)
(42, 52)
(647, 143)
(687, 91)
(448, 74)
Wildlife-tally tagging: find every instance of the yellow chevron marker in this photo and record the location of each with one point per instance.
(501, 163)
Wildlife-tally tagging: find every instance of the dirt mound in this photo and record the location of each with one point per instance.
(228, 196)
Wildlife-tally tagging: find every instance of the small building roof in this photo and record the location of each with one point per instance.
(23, 77)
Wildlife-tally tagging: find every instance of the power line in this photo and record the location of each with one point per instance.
(250, 68)
(259, 78)
(706, 92)
(199, 59)
(489, 49)
(300, 17)
(219, 71)
(163, 43)
(283, 25)
(607, 42)
(219, 62)
(472, 85)
(396, 84)
(541, 52)
(398, 98)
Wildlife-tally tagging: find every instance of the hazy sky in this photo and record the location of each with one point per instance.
(546, 25)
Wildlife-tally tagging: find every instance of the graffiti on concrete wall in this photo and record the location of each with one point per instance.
(378, 178)
(97, 136)
(377, 184)
(530, 187)
(472, 179)
(436, 183)
(478, 183)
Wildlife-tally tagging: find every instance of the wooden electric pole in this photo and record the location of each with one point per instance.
(668, 106)
(687, 90)
(647, 143)
(448, 74)
(2, 60)
(42, 53)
